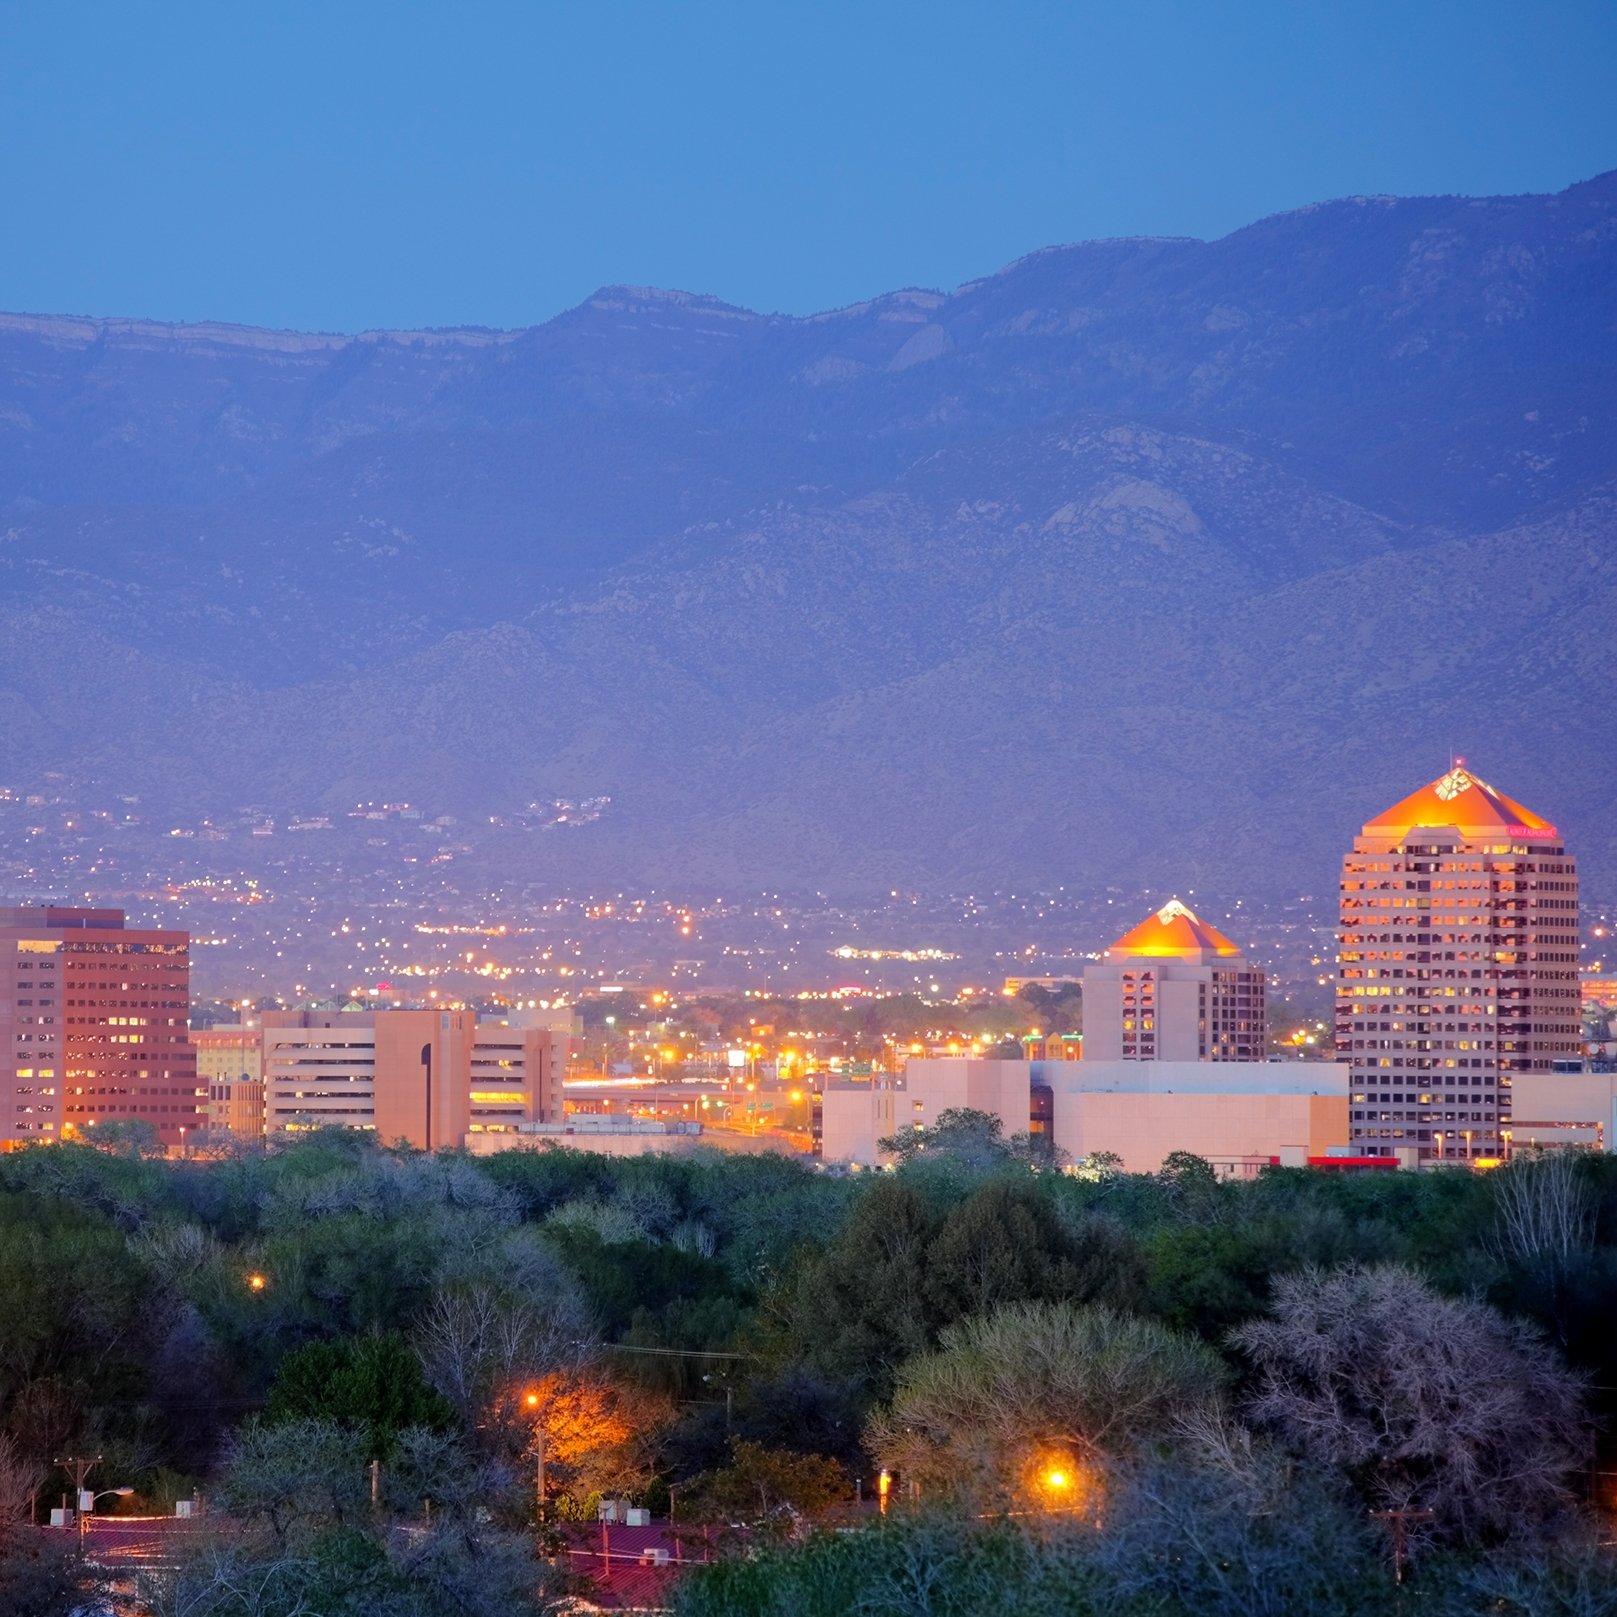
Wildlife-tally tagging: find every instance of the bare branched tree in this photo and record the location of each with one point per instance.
(1424, 1401)
(226, 1579)
(480, 1345)
(478, 1572)
(284, 1477)
(20, 1478)
(1574, 1578)
(1545, 1209)
(1179, 1538)
(178, 1252)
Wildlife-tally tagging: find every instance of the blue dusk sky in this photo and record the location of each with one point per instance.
(346, 164)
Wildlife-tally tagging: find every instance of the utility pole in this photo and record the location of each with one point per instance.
(80, 1468)
(723, 1377)
(1399, 1519)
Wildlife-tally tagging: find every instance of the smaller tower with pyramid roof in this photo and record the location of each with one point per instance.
(1174, 988)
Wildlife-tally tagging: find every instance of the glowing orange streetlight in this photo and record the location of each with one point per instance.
(256, 1282)
(531, 1399)
(1059, 1479)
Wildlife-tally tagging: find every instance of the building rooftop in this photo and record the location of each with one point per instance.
(1174, 931)
(1464, 801)
(55, 917)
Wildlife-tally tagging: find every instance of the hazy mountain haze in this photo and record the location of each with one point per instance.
(1164, 557)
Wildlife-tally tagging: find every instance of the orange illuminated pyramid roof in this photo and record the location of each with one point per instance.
(1470, 805)
(1173, 930)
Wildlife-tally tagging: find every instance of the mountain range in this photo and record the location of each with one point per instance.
(1160, 561)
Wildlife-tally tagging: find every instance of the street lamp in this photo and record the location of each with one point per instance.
(532, 1401)
(87, 1510)
(1056, 1477)
(81, 1466)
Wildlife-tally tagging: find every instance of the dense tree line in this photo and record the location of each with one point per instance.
(368, 1359)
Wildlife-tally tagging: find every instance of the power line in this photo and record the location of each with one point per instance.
(678, 1353)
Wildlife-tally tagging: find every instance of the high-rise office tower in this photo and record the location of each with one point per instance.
(1457, 967)
(1174, 989)
(93, 1026)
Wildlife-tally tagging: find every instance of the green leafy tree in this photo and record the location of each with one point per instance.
(458, 1565)
(1038, 1390)
(907, 1565)
(973, 1138)
(82, 1320)
(861, 1308)
(1004, 1244)
(1193, 1187)
(130, 1137)
(762, 1486)
(619, 1277)
(1097, 1166)
(372, 1386)
(973, 1141)
(1206, 1278)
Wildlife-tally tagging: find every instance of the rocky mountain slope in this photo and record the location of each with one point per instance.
(1165, 559)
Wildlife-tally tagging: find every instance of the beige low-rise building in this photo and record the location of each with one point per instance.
(428, 1078)
(616, 1136)
(230, 1066)
(855, 1116)
(1567, 1108)
(1233, 1113)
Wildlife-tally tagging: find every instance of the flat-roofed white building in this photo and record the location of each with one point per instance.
(1229, 1112)
(1233, 1113)
(1574, 1106)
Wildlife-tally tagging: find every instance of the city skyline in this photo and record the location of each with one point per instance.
(698, 908)
(1168, 989)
